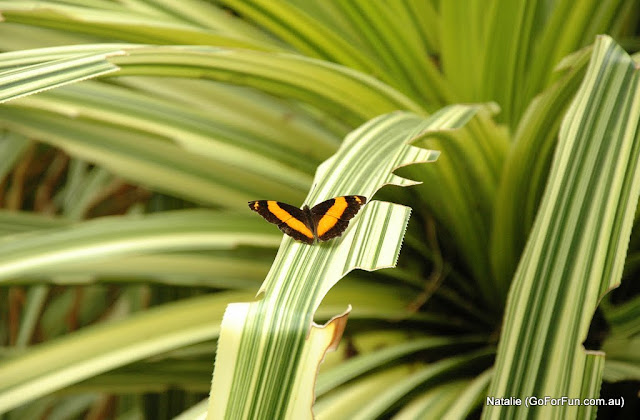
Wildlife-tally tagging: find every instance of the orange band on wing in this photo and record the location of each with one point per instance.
(332, 215)
(339, 206)
(291, 221)
(325, 224)
(298, 226)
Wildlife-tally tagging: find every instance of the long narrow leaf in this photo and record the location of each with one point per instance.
(147, 159)
(134, 26)
(346, 94)
(303, 31)
(96, 350)
(526, 170)
(577, 247)
(264, 363)
(26, 80)
(214, 136)
(40, 252)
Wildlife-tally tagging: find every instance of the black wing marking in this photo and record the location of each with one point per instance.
(331, 217)
(290, 220)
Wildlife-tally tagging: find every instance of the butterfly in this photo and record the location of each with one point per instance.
(321, 222)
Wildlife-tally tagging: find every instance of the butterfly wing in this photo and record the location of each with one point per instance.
(332, 217)
(291, 220)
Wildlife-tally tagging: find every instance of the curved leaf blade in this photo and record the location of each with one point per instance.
(18, 79)
(578, 244)
(262, 343)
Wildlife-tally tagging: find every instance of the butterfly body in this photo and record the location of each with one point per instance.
(321, 222)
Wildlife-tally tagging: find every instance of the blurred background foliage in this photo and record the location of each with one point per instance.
(127, 192)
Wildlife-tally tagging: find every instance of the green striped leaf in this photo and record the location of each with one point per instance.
(233, 269)
(148, 160)
(139, 26)
(367, 363)
(439, 372)
(269, 352)
(461, 193)
(471, 397)
(302, 31)
(17, 222)
(576, 250)
(45, 251)
(526, 169)
(318, 83)
(529, 40)
(103, 347)
(213, 135)
(12, 147)
(357, 395)
(19, 76)
(380, 39)
(625, 318)
(73, 358)
(434, 403)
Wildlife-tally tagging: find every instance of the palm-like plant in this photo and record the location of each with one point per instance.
(211, 104)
